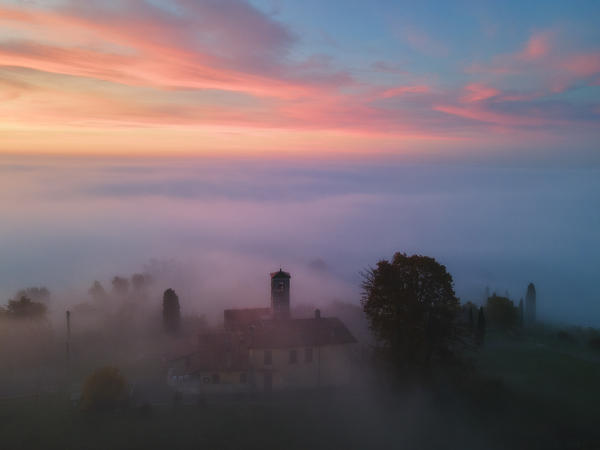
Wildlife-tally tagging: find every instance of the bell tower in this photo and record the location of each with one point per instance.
(280, 294)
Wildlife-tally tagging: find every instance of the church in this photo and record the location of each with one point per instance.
(266, 349)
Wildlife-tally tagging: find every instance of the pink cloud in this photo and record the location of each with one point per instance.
(551, 68)
(482, 114)
(476, 92)
(400, 90)
(129, 66)
(582, 64)
(537, 47)
(165, 50)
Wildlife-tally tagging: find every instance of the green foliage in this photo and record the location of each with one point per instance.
(501, 313)
(412, 309)
(171, 311)
(25, 309)
(104, 390)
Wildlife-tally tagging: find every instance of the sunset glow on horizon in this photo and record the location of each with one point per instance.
(263, 77)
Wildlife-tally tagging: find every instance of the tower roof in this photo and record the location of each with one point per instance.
(280, 274)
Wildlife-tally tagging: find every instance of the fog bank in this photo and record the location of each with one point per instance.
(226, 224)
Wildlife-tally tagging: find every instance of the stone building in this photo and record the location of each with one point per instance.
(265, 349)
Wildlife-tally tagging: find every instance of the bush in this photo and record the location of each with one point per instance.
(104, 390)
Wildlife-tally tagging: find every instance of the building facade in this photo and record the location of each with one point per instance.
(265, 349)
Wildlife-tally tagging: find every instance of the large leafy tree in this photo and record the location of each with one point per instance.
(171, 311)
(412, 309)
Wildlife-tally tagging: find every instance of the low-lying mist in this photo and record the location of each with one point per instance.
(213, 229)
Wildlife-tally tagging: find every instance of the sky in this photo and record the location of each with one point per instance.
(464, 79)
(233, 137)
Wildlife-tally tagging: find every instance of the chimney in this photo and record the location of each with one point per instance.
(317, 313)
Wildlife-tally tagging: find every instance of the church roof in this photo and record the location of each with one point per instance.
(300, 333)
(236, 318)
(280, 274)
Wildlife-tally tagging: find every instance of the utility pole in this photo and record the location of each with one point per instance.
(68, 338)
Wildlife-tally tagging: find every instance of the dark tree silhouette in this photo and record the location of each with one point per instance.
(412, 309)
(120, 286)
(35, 294)
(501, 313)
(25, 309)
(480, 326)
(140, 281)
(530, 300)
(171, 311)
(97, 292)
(521, 313)
(471, 321)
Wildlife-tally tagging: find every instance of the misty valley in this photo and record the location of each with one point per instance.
(408, 365)
(298, 225)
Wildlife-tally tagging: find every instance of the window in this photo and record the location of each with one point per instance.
(216, 378)
(243, 377)
(308, 354)
(268, 357)
(293, 356)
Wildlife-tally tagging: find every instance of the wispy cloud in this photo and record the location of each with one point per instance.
(227, 66)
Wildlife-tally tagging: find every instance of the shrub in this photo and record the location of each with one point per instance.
(104, 390)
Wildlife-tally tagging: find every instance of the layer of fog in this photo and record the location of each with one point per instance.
(225, 224)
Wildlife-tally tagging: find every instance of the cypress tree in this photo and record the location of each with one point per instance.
(171, 311)
(480, 326)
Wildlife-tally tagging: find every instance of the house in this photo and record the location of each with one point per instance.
(265, 349)
(300, 353)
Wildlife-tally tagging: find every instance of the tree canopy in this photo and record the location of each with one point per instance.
(36, 294)
(171, 311)
(412, 309)
(120, 286)
(501, 312)
(97, 292)
(25, 308)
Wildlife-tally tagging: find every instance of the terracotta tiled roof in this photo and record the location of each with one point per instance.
(236, 318)
(299, 333)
